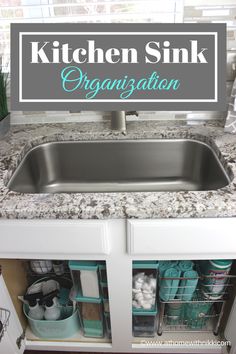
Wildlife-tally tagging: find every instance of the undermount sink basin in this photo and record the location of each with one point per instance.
(119, 166)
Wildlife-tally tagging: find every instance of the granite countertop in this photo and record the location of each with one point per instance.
(219, 203)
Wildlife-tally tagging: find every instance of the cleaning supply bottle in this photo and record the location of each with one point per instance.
(52, 306)
(52, 310)
(36, 311)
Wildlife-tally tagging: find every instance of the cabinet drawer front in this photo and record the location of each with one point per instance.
(58, 238)
(183, 238)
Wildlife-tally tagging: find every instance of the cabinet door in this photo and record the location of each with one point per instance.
(183, 238)
(11, 337)
(6, 345)
(53, 239)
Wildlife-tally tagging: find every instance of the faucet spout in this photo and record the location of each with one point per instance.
(118, 121)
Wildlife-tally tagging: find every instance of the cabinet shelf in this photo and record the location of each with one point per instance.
(78, 338)
(167, 339)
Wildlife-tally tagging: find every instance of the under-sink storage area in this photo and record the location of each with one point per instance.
(63, 303)
(184, 299)
(59, 300)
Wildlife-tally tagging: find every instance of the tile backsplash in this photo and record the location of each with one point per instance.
(92, 116)
(34, 117)
(30, 117)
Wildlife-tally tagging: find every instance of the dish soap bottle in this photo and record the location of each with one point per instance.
(52, 310)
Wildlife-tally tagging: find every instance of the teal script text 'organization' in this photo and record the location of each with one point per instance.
(74, 79)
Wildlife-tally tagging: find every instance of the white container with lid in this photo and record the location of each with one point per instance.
(85, 278)
(89, 283)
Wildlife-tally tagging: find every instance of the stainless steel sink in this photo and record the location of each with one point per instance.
(123, 165)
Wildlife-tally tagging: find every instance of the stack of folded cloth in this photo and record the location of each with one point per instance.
(178, 280)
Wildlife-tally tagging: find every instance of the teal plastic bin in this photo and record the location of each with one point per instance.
(78, 268)
(144, 287)
(103, 272)
(91, 315)
(145, 323)
(104, 288)
(66, 327)
(93, 328)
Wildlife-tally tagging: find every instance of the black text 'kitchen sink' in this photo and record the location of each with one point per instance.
(119, 166)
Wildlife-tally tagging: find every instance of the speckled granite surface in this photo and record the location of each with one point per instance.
(141, 205)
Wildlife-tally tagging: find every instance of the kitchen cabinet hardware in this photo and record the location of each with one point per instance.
(20, 339)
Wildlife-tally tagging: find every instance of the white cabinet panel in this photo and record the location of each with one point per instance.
(49, 238)
(183, 238)
(230, 330)
(6, 346)
(14, 330)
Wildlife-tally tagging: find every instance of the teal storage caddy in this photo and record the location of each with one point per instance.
(66, 327)
(87, 293)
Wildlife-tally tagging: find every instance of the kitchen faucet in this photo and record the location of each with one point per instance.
(118, 120)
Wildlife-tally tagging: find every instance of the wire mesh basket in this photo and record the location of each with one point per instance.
(200, 288)
(37, 268)
(193, 300)
(191, 316)
(4, 321)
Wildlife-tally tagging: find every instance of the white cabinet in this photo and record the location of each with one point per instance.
(118, 242)
(49, 238)
(182, 238)
(7, 346)
(11, 342)
(230, 330)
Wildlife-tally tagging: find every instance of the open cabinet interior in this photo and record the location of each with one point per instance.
(68, 301)
(181, 300)
(60, 300)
